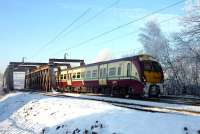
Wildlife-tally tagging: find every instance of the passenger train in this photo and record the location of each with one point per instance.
(139, 75)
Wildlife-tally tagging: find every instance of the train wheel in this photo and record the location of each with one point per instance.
(102, 90)
(123, 92)
(130, 92)
(106, 91)
(126, 94)
(116, 92)
(112, 92)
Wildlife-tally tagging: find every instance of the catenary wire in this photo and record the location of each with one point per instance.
(61, 32)
(124, 25)
(121, 26)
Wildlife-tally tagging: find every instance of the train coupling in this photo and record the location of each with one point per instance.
(153, 89)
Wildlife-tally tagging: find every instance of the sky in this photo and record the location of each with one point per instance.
(27, 26)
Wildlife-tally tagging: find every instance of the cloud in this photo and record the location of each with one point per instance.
(103, 55)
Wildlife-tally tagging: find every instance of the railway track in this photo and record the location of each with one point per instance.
(165, 99)
(137, 106)
(181, 100)
(162, 99)
(159, 109)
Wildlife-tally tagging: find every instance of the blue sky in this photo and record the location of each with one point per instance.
(25, 26)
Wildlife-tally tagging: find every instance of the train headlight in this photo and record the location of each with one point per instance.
(144, 79)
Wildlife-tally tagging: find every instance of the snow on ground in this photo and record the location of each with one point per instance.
(33, 114)
(139, 102)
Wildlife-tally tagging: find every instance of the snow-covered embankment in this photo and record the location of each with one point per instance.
(33, 113)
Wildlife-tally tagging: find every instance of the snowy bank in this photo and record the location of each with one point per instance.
(33, 114)
(138, 102)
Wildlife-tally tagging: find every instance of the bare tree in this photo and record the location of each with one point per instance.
(153, 40)
(180, 57)
(187, 44)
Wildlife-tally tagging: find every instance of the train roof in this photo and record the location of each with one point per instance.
(113, 60)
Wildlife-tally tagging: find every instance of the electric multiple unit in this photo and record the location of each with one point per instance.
(139, 75)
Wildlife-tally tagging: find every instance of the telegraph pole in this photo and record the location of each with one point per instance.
(23, 59)
(66, 55)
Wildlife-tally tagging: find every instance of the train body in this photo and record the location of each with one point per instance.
(139, 75)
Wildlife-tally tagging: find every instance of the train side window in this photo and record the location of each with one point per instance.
(94, 73)
(88, 74)
(112, 71)
(74, 76)
(104, 72)
(101, 72)
(61, 76)
(128, 69)
(119, 70)
(78, 75)
(82, 74)
(65, 76)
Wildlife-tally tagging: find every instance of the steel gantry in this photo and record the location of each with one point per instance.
(8, 82)
(44, 77)
(38, 76)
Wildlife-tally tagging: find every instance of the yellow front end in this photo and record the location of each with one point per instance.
(153, 77)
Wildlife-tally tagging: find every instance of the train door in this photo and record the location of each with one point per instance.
(103, 74)
(69, 79)
(129, 70)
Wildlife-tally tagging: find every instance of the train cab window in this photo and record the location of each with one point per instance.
(78, 75)
(94, 73)
(104, 72)
(147, 66)
(157, 67)
(61, 76)
(88, 74)
(128, 69)
(65, 76)
(112, 71)
(151, 66)
(119, 70)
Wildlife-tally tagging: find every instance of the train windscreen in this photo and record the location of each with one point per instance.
(152, 66)
(152, 72)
